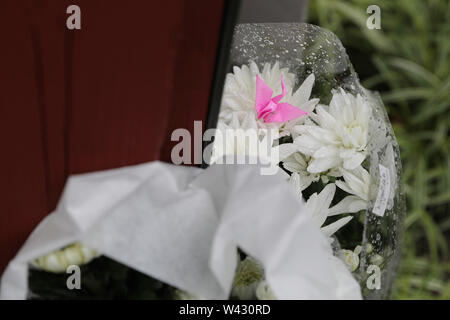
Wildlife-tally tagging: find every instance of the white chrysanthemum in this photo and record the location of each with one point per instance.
(248, 275)
(338, 137)
(240, 91)
(300, 99)
(242, 137)
(359, 183)
(318, 206)
(59, 260)
(297, 163)
(300, 178)
(356, 182)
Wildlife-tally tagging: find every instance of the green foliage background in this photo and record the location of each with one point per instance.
(408, 62)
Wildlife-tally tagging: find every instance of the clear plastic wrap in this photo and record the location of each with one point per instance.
(295, 51)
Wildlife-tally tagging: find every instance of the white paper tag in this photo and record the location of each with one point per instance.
(383, 191)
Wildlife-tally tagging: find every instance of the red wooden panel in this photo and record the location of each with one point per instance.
(195, 59)
(22, 165)
(101, 97)
(47, 32)
(119, 112)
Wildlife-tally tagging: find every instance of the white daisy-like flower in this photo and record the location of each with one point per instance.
(249, 274)
(318, 206)
(339, 135)
(242, 137)
(358, 183)
(297, 163)
(240, 92)
(226, 141)
(300, 99)
(59, 260)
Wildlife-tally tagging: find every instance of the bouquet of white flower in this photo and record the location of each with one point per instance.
(168, 232)
(332, 137)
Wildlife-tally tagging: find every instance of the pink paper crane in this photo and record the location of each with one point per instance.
(269, 109)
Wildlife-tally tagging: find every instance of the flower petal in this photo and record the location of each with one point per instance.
(294, 181)
(323, 202)
(342, 185)
(354, 162)
(322, 164)
(330, 229)
(358, 181)
(286, 149)
(307, 144)
(292, 166)
(349, 204)
(325, 119)
(326, 152)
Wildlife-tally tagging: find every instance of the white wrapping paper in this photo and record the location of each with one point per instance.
(182, 225)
